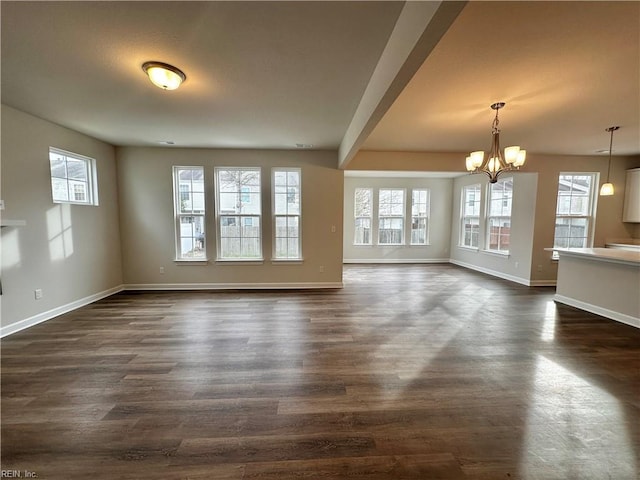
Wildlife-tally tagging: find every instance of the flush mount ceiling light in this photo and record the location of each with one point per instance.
(495, 164)
(607, 188)
(164, 75)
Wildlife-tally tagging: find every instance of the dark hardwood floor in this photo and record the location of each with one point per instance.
(409, 372)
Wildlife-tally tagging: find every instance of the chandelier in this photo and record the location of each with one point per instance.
(607, 188)
(495, 164)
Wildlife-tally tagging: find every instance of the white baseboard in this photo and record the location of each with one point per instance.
(494, 273)
(395, 260)
(542, 283)
(603, 312)
(233, 286)
(54, 312)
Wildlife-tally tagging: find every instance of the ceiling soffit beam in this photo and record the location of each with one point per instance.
(419, 28)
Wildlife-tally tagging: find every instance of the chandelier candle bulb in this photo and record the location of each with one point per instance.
(511, 154)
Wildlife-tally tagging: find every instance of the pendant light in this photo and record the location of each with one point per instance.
(607, 188)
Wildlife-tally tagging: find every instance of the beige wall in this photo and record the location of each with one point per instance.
(609, 209)
(71, 252)
(147, 224)
(535, 190)
(439, 221)
(516, 265)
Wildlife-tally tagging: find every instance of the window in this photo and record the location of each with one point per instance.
(286, 213)
(390, 216)
(574, 210)
(73, 178)
(470, 228)
(238, 213)
(188, 192)
(363, 203)
(419, 216)
(499, 215)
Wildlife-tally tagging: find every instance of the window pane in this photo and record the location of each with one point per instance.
(390, 231)
(189, 211)
(362, 231)
(499, 216)
(363, 202)
(574, 210)
(58, 166)
(60, 189)
(287, 209)
(71, 176)
(238, 210)
(76, 169)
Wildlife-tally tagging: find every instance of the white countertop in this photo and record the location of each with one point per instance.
(626, 257)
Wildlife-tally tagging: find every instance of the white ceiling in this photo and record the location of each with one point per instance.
(274, 74)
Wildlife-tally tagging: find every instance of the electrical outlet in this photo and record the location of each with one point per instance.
(333, 229)
(516, 264)
(321, 268)
(161, 270)
(38, 293)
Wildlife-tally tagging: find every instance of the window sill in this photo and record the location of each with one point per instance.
(496, 253)
(287, 261)
(239, 261)
(554, 253)
(185, 261)
(471, 249)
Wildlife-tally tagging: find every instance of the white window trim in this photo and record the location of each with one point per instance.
(488, 217)
(461, 237)
(239, 260)
(593, 205)
(275, 258)
(427, 217)
(177, 198)
(92, 180)
(403, 217)
(370, 217)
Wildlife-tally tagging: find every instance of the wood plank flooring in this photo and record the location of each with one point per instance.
(409, 372)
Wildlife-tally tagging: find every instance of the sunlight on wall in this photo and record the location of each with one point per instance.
(60, 233)
(10, 248)
(560, 429)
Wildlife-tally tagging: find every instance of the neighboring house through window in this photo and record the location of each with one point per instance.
(238, 213)
(499, 215)
(575, 210)
(419, 216)
(189, 208)
(73, 178)
(470, 216)
(391, 216)
(287, 213)
(363, 213)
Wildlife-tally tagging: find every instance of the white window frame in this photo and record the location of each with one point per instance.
(418, 217)
(359, 218)
(591, 209)
(288, 216)
(90, 183)
(505, 215)
(401, 217)
(465, 217)
(220, 216)
(180, 195)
